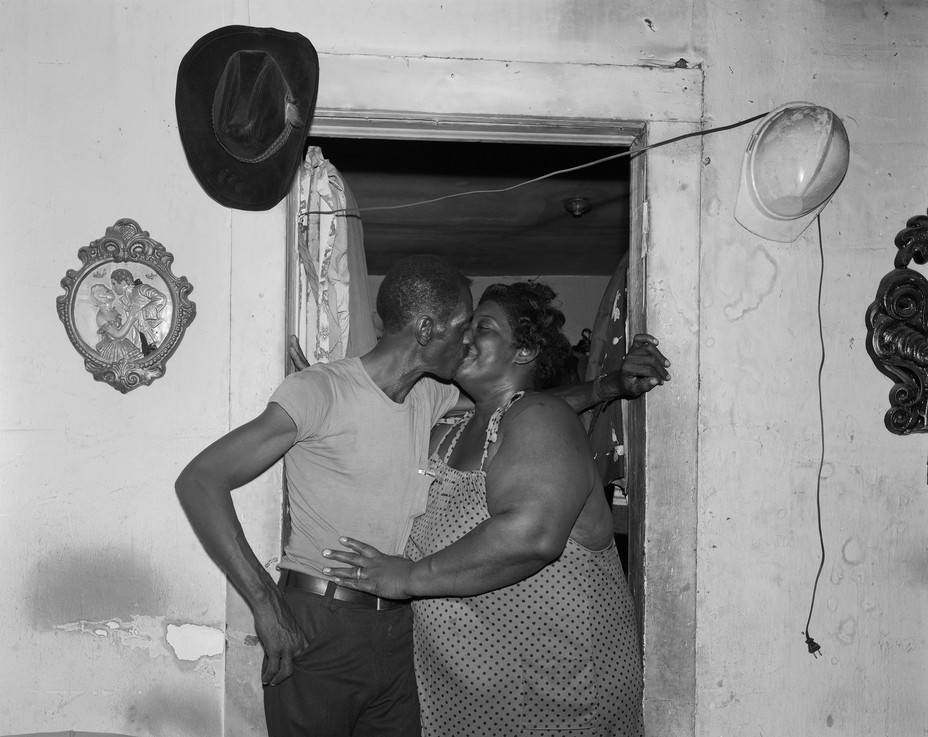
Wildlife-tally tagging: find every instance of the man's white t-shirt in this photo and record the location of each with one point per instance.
(357, 467)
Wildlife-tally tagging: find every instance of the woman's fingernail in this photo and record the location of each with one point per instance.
(327, 552)
(326, 571)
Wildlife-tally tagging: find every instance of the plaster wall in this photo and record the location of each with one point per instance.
(112, 615)
(111, 612)
(760, 441)
(113, 620)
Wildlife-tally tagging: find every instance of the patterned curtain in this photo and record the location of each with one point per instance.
(607, 351)
(335, 315)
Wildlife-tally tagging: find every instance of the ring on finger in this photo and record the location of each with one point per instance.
(358, 573)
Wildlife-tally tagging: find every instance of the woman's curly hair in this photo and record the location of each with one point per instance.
(535, 323)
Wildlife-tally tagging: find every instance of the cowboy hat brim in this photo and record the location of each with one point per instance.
(229, 181)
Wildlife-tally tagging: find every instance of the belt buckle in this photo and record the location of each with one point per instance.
(380, 606)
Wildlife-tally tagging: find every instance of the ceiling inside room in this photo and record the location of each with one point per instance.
(526, 231)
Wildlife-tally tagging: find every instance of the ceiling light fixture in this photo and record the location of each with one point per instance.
(578, 206)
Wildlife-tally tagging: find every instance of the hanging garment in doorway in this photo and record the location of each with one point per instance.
(607, 351)
(335, 316)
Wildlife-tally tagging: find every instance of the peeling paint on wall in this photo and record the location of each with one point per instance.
(195, 641)
(188, 641)
(139, 633)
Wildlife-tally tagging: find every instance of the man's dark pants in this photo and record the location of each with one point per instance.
(356, 679)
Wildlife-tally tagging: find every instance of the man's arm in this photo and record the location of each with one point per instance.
(204, 489)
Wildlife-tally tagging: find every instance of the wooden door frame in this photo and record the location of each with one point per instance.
(662, 510)
(662, 437)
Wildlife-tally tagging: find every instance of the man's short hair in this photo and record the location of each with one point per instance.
(417, 285)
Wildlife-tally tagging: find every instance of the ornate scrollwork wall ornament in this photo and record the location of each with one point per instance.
(124, 311)
(897, 323)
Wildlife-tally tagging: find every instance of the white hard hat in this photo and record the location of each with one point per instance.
(794, 161)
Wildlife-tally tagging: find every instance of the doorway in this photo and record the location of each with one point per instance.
(663, 299)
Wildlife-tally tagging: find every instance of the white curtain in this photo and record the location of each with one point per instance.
(335, 315)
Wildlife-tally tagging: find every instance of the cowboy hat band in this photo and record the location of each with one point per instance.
(244, 100)
(252, 101)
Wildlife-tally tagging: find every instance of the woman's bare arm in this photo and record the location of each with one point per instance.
(537, 485)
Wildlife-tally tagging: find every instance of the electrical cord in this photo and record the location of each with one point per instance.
(345, 211)
(813, 646)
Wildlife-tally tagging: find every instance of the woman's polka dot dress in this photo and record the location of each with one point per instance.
(555, 654)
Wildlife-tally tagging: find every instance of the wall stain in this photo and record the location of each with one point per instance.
(112, 594)
(854, 553)
(93, 585)
(165, 712)
(758, 277)
(847, 631)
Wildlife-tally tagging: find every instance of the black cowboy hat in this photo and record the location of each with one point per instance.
(244, 100)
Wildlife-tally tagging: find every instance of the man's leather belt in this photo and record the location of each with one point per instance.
(331, 590)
